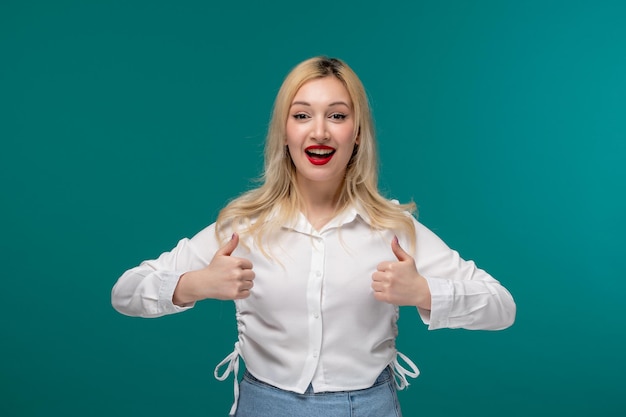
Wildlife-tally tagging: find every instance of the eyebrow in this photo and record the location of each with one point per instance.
(334, 103)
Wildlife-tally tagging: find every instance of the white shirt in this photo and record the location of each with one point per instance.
(311, 317)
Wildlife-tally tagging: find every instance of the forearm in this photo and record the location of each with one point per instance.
(462, 295)
(142, 292)
(473, 305)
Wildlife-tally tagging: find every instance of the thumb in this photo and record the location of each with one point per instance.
(229, 247)
(398, 251)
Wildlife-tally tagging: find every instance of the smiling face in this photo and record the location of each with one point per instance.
(320, 132)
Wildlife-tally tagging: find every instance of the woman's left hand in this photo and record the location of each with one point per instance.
(399, 282)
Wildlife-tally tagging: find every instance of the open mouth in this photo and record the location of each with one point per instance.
(319, 154)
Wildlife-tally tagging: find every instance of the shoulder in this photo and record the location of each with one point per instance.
(205, 238)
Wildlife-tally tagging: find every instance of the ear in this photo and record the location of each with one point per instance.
(357, 141)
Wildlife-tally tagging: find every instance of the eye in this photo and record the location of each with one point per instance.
(338, 116)
(300, 116)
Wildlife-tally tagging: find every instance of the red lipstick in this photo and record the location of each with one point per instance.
(319, 154)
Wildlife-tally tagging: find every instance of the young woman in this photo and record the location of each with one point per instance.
(318, 262)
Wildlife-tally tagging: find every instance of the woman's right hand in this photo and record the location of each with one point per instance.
(225, 278)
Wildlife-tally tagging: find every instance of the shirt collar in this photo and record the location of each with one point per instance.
(348, 215)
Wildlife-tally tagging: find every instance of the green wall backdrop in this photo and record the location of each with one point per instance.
(127, 125)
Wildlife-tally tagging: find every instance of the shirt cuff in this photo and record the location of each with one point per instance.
(442, 296)
(169, 280)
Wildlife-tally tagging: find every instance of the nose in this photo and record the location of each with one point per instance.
(319, 132)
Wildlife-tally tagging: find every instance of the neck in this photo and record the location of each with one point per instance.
(319, 201)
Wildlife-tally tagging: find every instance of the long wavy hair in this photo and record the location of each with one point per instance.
(264, 210)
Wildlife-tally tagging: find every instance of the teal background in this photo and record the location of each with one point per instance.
(127, 125)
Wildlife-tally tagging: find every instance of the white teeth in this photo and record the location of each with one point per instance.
(320, 151)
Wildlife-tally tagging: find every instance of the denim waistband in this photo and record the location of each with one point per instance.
(385, 376)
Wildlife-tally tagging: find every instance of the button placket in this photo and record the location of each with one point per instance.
(314, 296)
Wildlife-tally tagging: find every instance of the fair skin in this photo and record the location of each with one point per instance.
(320, 138)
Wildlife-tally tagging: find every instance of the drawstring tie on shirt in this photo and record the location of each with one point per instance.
(233, 366)
(400, 372)
(232, 362)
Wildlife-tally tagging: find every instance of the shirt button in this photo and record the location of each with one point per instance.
(315, 353)
(316, 315)
(318, 273)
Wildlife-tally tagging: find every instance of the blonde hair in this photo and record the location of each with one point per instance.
(264, 210)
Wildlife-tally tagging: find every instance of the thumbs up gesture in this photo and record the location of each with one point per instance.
(225, 278)
(399, 282)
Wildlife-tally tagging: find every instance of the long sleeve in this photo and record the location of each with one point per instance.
(463, 296)
(147, 290)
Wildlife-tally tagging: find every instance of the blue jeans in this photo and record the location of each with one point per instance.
(258, 399)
